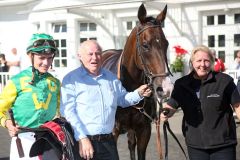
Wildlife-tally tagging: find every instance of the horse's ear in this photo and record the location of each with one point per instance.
(142, 13)
(161, 17)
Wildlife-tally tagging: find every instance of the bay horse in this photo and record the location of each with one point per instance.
(143, 60)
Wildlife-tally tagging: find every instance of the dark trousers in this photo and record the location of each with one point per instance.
(224, 153)
(105, 149)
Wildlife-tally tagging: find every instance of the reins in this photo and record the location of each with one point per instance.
(166, 128)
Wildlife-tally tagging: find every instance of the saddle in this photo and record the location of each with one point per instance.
(56, 135)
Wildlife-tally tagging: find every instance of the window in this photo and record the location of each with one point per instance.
(221, 55)
(221, 40)
(221, 19)
(236, 39)
(129, 25)
(64, 28)
(93, 38)
(237, 18)
(88, 31)
(211, 41)
(82, 39)
(58, 28)
(90, 38)
(63, 43)
(92, 27)
(60, 59)
(88, 27)
(210, 20)
(83, 26)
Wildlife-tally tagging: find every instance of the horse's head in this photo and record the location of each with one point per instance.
(151, 46)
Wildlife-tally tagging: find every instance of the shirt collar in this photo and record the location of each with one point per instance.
(84, 72)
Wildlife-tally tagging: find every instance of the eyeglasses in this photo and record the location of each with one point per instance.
(44, 42)
(46, 51)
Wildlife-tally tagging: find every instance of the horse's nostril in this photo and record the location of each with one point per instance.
(159, 89)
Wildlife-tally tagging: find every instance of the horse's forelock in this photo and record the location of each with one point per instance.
(150, 20)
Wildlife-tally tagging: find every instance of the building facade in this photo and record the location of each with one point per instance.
(214, 23)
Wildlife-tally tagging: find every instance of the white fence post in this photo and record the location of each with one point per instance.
(234, 73)
(4, 77)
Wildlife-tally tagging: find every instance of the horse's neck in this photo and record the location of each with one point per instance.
(130, 75)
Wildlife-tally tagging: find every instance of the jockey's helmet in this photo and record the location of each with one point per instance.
(41, 43)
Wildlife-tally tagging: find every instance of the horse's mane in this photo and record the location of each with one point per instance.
(112, 59)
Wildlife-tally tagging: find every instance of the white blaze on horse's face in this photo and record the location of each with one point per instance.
(165, 90)
(167, 86)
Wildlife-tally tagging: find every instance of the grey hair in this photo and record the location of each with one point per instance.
(204, 49)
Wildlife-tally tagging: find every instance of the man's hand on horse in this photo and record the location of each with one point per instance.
(144, 90)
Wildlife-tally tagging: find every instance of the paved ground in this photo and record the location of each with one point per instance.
(174, 151)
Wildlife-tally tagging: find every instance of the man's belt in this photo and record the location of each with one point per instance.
(100, 137)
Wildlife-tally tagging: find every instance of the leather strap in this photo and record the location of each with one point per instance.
(166, 127)
(159, 146)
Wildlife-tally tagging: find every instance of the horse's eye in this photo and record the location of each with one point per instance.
(145, 46)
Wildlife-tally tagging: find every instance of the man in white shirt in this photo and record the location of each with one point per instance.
(13, 61)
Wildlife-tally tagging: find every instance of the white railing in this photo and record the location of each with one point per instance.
(234, 73)
(4, 77)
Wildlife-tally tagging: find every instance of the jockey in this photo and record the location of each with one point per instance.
(33, 95)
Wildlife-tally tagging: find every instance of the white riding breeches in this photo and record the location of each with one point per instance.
(27, 140)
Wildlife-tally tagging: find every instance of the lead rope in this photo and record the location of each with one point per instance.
(166, 127)
(157, 123)
(159, 145)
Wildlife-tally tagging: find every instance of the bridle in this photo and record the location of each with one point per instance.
(147, 72)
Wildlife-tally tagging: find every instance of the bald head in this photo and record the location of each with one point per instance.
(90, 56)
(86, 45)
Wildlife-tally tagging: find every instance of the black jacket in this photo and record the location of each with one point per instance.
(208, 120)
